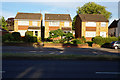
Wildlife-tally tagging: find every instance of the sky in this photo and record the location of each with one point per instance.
(10, 9)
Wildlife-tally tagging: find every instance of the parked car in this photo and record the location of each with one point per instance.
(115, 44)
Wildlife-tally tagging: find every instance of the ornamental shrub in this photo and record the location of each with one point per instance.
(29, 37)
(29, 33)
(17, 36)
(77, 41)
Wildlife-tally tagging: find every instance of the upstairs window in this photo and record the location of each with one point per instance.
(66, 24)
(103, 24)
(23, 22)
(34, 23)
(91, 24)
(54, 23)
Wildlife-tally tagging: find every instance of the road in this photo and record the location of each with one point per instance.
(77, 51)
(60, 69)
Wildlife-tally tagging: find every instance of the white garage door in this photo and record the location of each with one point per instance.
(22, 32)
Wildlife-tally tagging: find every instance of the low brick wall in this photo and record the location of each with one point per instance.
(53, 45)
(17, 44)
(95, 45)
(65, 45)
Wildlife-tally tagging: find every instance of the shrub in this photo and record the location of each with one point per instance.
(77, 41)
(100, 40)
(83, 39)
(68, 36)
(29, 37)
(119, 38)
(16, 36)
(89, 43)
(7, 37)
(62, 40)
(29, 33)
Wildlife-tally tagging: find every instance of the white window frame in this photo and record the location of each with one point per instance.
(66, 24)
(34, 23)
(91, 24)
(103, 34)
(90, 34)
(54, 23)
(25, 23)
(103, 24)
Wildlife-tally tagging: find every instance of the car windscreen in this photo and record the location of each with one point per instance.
(118, 42)
(113, 42)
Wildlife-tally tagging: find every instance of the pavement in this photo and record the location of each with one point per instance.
(60, 69)
(77, 51)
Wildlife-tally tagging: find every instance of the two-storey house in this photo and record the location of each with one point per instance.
(113, 29)
(10, 24)
(91, 25)
(57, 21)
(118, 27)
(28, 22)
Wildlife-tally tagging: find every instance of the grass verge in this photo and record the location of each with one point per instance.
(23, 56)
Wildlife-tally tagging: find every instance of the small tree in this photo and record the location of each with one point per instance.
(4, 23)
(56, 33)
(68, 36)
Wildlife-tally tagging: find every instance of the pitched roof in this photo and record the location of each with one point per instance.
(35, 16)
(113, 24)
(93, 17)
(58, 17)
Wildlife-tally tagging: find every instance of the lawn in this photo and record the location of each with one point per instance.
(34, 56)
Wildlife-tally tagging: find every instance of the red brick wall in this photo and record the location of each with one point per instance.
(53, 28)
(22, 27)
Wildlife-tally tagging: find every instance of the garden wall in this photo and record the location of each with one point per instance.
(65, 45)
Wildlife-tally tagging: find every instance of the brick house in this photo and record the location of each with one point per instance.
(118, 27)
(113, 29)
(57, 21)
(10, 24)
(28, 22)
(91, 25)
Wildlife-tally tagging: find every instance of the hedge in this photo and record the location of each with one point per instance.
(119, 38)
(100, 40)
(7, 37)
(17, 36)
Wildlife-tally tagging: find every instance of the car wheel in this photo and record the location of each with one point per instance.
(116, 47)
